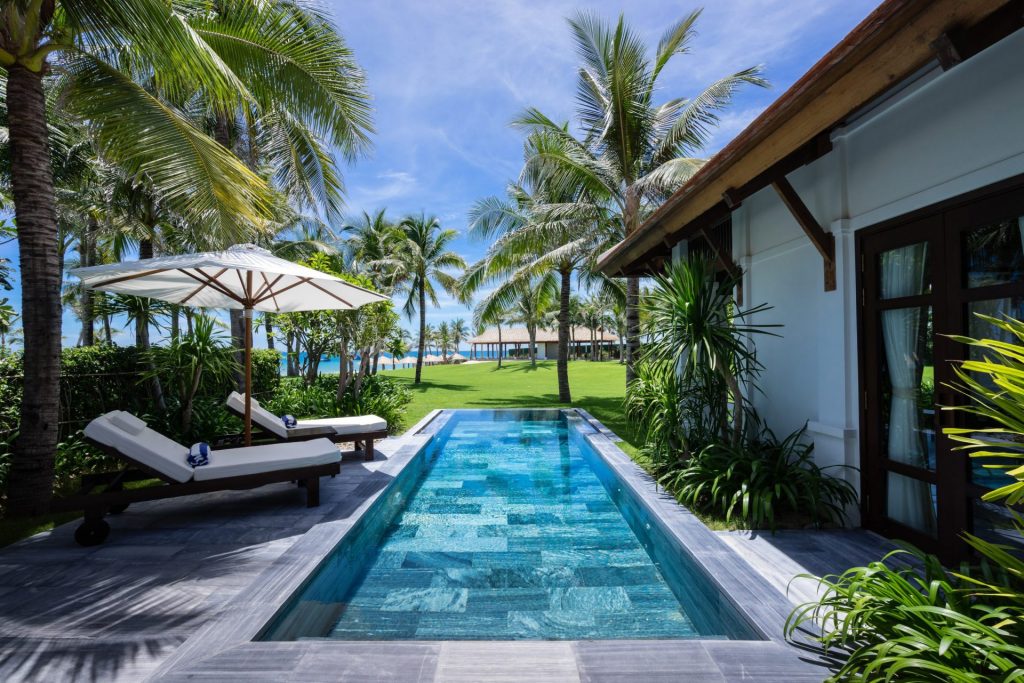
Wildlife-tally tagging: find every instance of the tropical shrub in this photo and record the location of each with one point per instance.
(654, 405)
(924, 623)
(379, 395)
(200, 359)
(913, 621)
(693, 327)
(761, 481)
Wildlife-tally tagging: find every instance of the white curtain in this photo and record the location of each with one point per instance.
(902, 274)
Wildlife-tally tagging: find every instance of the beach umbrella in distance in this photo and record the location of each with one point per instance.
(243, 277)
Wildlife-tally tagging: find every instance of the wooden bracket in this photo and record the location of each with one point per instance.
(725, 261)
(824, 242)
(946, 51)
(732, 198)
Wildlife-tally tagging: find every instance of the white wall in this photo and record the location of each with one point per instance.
(941, 135)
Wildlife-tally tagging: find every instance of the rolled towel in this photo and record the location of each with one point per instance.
(199, 454)
(289, 421)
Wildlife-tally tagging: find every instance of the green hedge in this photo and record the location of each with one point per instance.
(98, 379)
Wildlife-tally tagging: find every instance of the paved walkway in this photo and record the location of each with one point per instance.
(115, 612)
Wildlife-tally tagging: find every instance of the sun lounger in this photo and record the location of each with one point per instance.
(153, 455)
(361, 429)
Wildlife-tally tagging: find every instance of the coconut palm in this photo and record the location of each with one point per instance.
(134, 129)
(132, 69)
(423, 258)
(536, 229)
(460, 332)
(522, 302)
(371, 246)
(634, 152)
(8, 316)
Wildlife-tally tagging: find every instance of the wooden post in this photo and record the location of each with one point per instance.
(247, 314)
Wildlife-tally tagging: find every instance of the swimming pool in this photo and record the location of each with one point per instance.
(508, 526)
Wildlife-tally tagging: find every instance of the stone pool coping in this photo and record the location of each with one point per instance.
(225, 648)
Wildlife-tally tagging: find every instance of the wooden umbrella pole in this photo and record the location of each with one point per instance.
(247, 314)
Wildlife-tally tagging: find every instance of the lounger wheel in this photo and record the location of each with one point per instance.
(118, 509)
(92, 532)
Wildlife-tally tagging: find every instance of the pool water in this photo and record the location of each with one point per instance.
(507, 532)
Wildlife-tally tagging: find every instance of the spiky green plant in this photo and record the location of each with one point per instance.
(912, 621)
(761, 480)
(993, 383)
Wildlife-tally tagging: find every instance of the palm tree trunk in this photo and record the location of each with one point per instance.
(175, 322)
(499, 346)
(30, 485)
(85, 246)
(564, 395)
(142, 334)
(342, 369)
(423, 331)
(108, 333)
(268, 326)
(532, 330)
(632, 326)
(238, 342)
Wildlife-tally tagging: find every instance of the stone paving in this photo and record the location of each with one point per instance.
(171, 568)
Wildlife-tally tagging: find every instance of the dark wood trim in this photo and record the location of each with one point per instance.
(940, 225)
(946, 52)
(824, 242)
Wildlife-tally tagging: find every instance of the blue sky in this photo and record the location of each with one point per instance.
(447, 76)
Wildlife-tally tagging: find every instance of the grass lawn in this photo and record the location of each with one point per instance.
(596, 387)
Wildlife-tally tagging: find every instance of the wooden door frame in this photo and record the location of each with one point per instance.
(952, 476)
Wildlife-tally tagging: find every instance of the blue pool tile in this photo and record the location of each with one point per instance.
(435, 560)
(426, 600)
(509, 534)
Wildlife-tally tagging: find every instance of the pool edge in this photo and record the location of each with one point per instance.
(231, 635)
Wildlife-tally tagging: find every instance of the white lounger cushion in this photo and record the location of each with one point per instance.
(359, 424)
(152, 449)
(236, 462)
(260, 415)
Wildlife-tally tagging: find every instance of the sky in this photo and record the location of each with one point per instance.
(448, 76)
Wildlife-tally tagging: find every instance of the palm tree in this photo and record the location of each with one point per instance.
(8, 316)
(536, 229)
(460, 332)
(522, 302)
(424, 256)
(444, 340)
(135, 130)
(634, 152)
(371, 244)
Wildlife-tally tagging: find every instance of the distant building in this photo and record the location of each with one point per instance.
(515, 343)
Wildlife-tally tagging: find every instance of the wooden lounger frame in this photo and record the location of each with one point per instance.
(363, 440)
(115, 499)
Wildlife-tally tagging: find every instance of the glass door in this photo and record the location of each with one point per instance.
(923, 279)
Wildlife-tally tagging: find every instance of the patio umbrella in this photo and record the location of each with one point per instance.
(243, 277)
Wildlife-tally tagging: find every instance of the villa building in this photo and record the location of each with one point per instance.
(515, 342)
(877, 206)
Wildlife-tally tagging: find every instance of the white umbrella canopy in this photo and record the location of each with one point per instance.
(243, 277)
